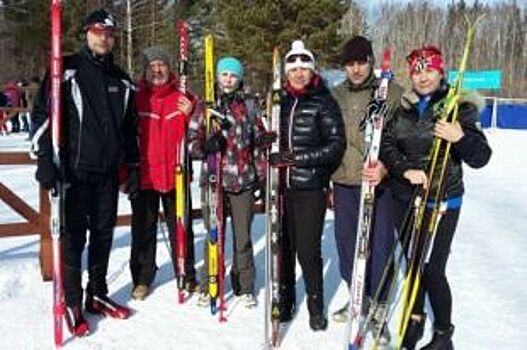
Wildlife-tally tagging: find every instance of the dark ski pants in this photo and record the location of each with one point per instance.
(434, 282)
(89, 205)
(303, 221)
(382, 236)
(145, 213)
(243, 272)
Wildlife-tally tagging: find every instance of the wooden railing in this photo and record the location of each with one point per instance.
(38, 222)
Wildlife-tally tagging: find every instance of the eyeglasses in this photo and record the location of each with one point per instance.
(302, 57)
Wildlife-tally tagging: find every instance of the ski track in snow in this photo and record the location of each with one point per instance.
(487, 270)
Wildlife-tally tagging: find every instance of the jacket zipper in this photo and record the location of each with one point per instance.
(290, 138)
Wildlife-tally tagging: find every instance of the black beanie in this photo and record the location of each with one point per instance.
(357, 49)
(101, 17)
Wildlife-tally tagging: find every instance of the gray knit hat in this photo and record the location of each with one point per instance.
(153, 53)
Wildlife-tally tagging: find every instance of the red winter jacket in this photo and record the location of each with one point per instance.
(160, 129)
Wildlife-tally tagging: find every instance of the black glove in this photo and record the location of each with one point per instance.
(224, 123)
(259, 191)
(47, 173)
(215, 143)
(265, 140)
(282, 159)
(131, 186)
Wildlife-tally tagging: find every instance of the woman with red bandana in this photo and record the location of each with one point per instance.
(405, 151)
(312, 143)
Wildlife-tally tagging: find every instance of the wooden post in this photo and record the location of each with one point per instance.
(46, 258)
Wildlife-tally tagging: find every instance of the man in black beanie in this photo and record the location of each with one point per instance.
(99, 133)
(354, 96)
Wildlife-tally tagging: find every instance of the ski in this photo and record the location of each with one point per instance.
(372, 140)
(181, 174)
(58, 192)
(273, 206)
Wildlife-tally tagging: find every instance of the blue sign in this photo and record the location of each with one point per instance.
(481, 79)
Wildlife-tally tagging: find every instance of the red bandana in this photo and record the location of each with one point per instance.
(427, 57)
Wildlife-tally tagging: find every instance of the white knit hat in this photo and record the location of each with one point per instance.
(298, 50)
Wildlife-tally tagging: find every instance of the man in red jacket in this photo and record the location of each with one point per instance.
(163, 117)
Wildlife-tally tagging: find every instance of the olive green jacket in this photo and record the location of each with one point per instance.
(353, 101)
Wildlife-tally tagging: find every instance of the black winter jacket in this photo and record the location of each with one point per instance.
(311, 127)
(99, 122)
(408, 138)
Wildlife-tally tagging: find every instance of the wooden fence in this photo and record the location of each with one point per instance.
(37, 222)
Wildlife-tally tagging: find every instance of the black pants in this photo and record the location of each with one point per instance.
(434, 282)
(145, 212)
(303, 221)
(89, 205)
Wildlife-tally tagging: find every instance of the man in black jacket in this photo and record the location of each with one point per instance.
(312, 143)
(99, 134)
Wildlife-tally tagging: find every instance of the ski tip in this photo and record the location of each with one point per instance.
(181, 297)
(213, 308)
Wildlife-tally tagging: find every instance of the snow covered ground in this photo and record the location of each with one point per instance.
(487, 269)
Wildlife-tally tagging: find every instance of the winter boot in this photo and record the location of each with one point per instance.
(414, 331)
(102, 305)
(235, 283)
(191, 285)
(442, 340)
(249, 301)
(342, 314)
(203, 299)
(140, 292)
(287, 304)
(77, 325)
(317, 319)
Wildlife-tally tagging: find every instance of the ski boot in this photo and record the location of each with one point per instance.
(102, 305)
(75, 321)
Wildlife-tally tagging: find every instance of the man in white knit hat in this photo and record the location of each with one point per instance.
(312, 143)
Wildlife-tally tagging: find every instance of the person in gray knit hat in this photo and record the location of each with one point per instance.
(163, 112)
(155, 53)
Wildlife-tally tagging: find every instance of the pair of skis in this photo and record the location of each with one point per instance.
(182, 207)
(214, 198)
(274, 211)
(355, 330)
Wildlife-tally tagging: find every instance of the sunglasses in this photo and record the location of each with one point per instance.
(301, 57)
(100, 30)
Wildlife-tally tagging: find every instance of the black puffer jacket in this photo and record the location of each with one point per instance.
(311, 127)
(99, 121)
(408, 138)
